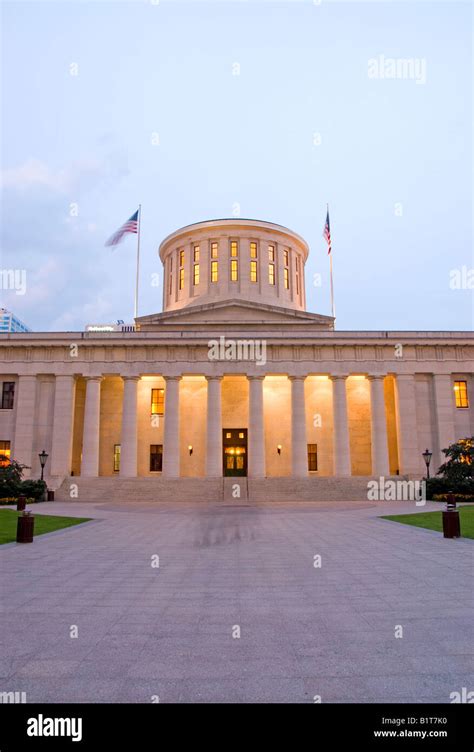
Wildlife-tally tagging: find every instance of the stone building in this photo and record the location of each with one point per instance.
(234, 379)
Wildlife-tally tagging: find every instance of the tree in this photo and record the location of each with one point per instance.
(12, 484)
(459, 465)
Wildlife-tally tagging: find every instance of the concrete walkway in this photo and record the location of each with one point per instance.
(167, 631)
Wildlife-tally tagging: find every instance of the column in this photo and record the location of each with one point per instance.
(129, 436)
(256, 458)
(91, 434)
(444, 404)
(25, 398)
(171, 430)
(63, 425)
(299, 442)
(407, 431)
(378, 426)
(342, 450)
(214, 427)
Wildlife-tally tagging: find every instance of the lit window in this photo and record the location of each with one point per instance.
(8, 395)
(181, 279)
(234, 248)
(241, 436)
(253, 250)
(196, 274)
(116, 457)
(297, 279)
(196, 253)
(271, 274)
(214, 271)
(286, 257)
(228, 435)
(271, 253)
(171, 275)
(4, 453)
(156, 458)
(181, 258)
(253, 271)
(214, 250)
(286, 279)
(312, 457)
(234, 270)
(460, 394)
(157, 401)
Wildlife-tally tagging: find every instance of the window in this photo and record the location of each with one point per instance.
(253, 271)
(253, 250)
(8, 395)
(181, 279)
(171, 276)
(156, 458)
(214, 271)
(297, 276)
(271, 274)
(181, 258)
(286, 279)
(312, 457)
(116, 458)
(234, 248)
(286, 257)
(4, 453)
(214, 250)
(234, 270)
(460, 394)
(196, 253)
(181, 270)
(196, 274)
(271, 253)
(157, 401)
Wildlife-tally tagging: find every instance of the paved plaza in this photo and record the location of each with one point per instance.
(171, 631)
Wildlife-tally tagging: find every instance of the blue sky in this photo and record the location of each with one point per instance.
(394, 159)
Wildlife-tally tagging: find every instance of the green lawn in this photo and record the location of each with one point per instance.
(433, 520)
(43, 523)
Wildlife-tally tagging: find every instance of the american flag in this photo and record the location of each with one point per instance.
(131, 225)
(327, 233)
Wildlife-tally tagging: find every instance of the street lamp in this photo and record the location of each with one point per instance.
(43, 456)
(427, 455)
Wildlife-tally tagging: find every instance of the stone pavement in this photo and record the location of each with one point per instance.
(169, 631)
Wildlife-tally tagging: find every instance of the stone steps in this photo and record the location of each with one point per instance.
(111, 489)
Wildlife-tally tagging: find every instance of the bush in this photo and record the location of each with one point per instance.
(458, 498)
(439, 486)
(13, 500)
(12, 485)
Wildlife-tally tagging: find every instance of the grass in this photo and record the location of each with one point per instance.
(433, 520)
(43, 524)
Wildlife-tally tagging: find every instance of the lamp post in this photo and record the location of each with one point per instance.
(43, 456)
(427, 455)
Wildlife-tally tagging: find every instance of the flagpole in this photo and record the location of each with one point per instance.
(333, 309)
(138, 259)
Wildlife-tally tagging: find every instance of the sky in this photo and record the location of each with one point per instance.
(201, 110)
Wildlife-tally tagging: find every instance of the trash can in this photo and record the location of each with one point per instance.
(451, 524)
(25, 527)
(50, 495)
(21, 503)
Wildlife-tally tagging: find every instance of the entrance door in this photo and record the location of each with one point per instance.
(234, 442)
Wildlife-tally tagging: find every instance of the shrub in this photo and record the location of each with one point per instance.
(458, 497)
(12, 484)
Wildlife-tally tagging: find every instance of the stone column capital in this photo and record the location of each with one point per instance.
(94, 378)
(297, 378)
(373, 376)
(214, 378)
(131, 378)
(338, 376)
(172, 378)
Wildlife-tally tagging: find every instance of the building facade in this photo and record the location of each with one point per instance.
(235, 378)
(11, 323)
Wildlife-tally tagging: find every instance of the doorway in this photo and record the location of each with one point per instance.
(234, 444)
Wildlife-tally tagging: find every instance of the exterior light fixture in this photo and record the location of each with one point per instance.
(190, 447)
(427, 455)
(43, 456)
(279, 448)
